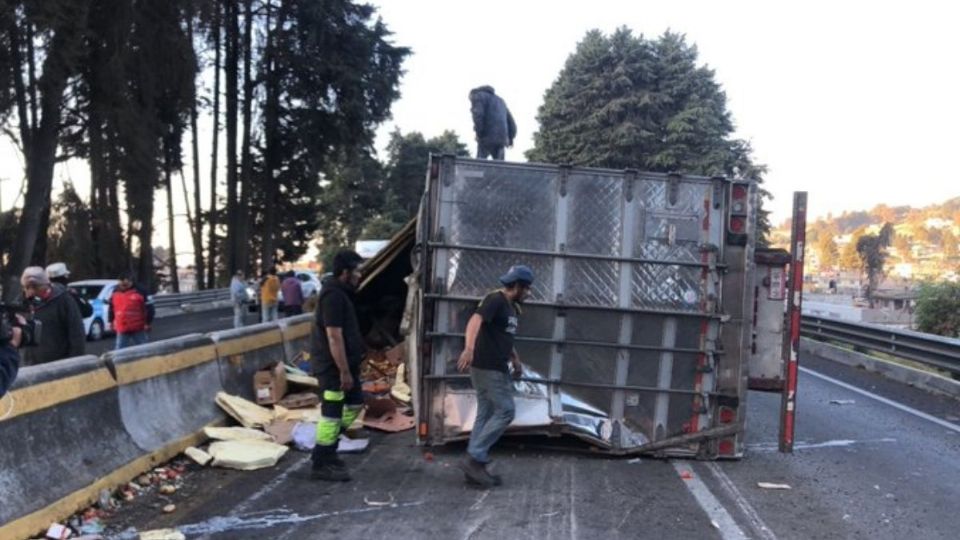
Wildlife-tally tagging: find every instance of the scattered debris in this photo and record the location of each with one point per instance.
(842, 402)
(297, 376)
(235, 434)
(550, 514)
(270, 384)
(300, 401)
(297, 415)
(246, 455)
(769, 485)
(428, 456)
(281, 431)
(162, 534)
(352, 446)
(304, 436)
(388, 502)
(169, 509)
(58, 532)
(401, 390)
(249, 414)
(168, 489)
(198, 456)
(392, 422)
(686, 475)
(634, 461)
(92, 526)
(715, 525)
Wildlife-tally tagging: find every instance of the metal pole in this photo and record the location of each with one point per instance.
(788, 407)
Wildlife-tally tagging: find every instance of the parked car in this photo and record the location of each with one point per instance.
(97, 292)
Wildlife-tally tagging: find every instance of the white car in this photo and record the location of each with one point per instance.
(97, 292)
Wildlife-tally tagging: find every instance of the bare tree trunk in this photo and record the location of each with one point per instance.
(196, 225)
(212, 239)
(271, 126)
(232, 76)
(246, 165)
(171, 230)
(58, 65)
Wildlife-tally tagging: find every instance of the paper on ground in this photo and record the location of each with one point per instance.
(198, 455)
(305, 438)
(162, 534)
(304, 380)
(297, 415)
(246, 455)
(235, 434)
(769, 485)
(246, 412)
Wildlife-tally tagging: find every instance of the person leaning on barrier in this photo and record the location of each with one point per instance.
(52, 305)
(338, 350)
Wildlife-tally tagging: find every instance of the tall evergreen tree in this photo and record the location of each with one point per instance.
(623, 101)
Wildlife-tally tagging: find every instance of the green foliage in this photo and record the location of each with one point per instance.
(872, 249)
(938, 309)
(623, 101)
(69, 239)
(828, 251)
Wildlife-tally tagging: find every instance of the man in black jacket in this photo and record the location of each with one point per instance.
(492, 123)
(9, 358)
(338, 349)
(63, 335)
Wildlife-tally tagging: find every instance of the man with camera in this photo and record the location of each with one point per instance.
(9, 357)
(57, 311)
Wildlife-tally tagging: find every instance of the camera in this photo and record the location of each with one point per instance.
(29, 330)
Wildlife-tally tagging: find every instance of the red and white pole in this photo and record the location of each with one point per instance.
(788, 407)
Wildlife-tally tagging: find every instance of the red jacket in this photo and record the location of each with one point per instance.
(129, 311)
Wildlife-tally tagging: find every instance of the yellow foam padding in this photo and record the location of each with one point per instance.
(154, 366)
(249, 343)
(33, 524)
(41, 396)
(297, 331)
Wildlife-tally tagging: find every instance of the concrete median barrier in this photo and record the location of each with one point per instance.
(296, 335)
(167, 389)
(61, 441)
(244, 351)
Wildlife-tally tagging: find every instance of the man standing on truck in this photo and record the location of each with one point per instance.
(338, 349)
(492, 123)
(489, 354)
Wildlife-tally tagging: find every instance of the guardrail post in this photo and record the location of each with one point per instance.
(791, 347)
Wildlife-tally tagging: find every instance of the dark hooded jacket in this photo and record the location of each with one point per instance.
(492, 121)
(62, 334)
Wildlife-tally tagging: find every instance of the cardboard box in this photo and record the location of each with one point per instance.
(270, 385)
(300, 401)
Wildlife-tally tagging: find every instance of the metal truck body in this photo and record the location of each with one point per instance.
(637, 333)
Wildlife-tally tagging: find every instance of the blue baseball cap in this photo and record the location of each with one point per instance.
(520, 272)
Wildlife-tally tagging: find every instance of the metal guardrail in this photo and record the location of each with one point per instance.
(175, 301)
(935, 351)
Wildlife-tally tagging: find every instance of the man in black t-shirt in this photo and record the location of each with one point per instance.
(338, 349)
(489, 354)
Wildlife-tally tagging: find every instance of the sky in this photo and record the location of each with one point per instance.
(854, 102)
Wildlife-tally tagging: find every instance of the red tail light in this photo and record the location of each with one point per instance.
(738, 225)
(727, 447)
(727, 415)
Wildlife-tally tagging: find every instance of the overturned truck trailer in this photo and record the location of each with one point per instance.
(634, 337)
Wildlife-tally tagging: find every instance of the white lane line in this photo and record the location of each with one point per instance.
(756, 522)
(881, 399)
(801, 445)
(721, 519)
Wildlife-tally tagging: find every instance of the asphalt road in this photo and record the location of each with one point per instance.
(177, 325)
(881, 464)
